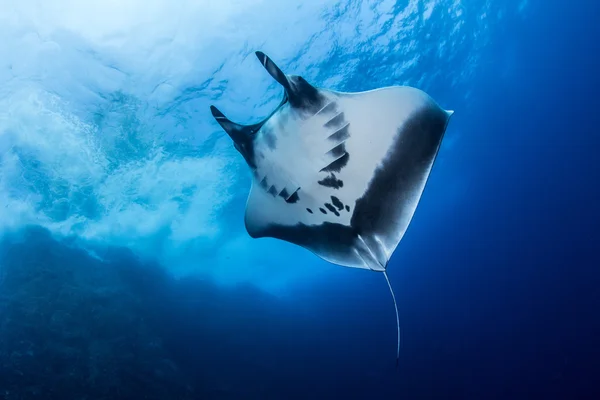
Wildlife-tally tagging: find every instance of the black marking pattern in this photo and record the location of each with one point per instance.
(329, 108)
(309, 210)
(332, 209)
(337, 165)
(338, 155)
(302, 95)
(341, 134)
(336, 202)
(338, 151)
(400, 172)
(269, 137)
(284, 193)
(293, 198)
(336, 121)
(264, 184)
(331, 181)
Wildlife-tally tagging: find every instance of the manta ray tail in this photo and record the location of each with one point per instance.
(397, 317)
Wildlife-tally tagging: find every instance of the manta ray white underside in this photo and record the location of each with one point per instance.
(339, 174)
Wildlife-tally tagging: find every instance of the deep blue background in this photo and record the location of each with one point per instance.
(499, 302)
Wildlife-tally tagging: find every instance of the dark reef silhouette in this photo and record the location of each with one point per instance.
(71, 328)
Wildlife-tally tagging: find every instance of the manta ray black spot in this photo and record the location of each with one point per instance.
(331, 181)
(322, 210)
(293, 198)
(272, 191)
(347, 208)
(309, 210)
(335, 121)
(336, 202)
(337, 165)
(332, 209)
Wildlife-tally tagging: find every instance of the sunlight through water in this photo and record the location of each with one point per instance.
(105, 129)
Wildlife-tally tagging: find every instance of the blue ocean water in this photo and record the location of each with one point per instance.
(125, 269)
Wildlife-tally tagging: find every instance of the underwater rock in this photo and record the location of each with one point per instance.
(71, 328)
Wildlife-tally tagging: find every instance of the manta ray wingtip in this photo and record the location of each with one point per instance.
(450, 113)
(266, 62)
(273, 70)
(233, 129)
(215, 111)
(225, 122)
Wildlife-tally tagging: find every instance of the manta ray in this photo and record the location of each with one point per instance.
(340, 174)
